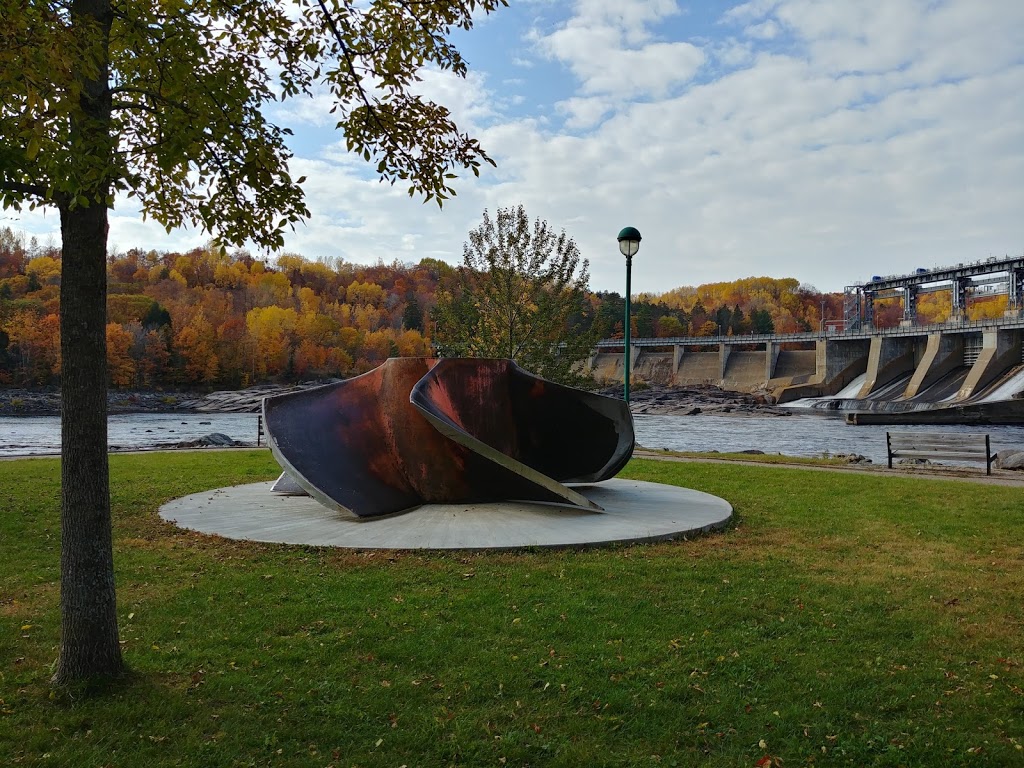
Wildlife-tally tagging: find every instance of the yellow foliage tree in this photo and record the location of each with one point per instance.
(412, 344)
(709, 328)
(309, 301)
(339, 361)
(988, 308)
(377, 346)
(934, 307)
(272, 328)
(364, 293)
(229, 276)
(269, 288)
(15, 287)
(45, 268)
(320, 329)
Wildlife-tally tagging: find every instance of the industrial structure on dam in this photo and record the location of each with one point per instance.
(911, 367)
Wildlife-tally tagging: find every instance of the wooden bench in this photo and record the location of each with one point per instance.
(939, 445)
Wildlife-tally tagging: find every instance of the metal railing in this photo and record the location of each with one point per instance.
(967, 326)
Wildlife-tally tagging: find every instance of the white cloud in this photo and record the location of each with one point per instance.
(584, 112)
(766, 30)
(747, 12)
(312, 110)
(608, 46)
(466, 98)
(732, 53)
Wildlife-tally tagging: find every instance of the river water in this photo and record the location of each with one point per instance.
(35, 435)
(801, 434)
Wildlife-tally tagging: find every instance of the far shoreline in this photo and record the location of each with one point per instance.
(652, 399)
(645, 399)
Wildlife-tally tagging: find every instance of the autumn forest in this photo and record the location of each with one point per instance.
(209, 318)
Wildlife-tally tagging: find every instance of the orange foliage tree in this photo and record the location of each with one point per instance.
(195, 343)
(34, 343)
(120, 365)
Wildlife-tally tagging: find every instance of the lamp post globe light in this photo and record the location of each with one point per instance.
(629, 244)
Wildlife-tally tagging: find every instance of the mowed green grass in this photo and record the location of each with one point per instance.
(845, 619)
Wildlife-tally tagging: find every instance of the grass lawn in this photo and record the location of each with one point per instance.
(846, 619)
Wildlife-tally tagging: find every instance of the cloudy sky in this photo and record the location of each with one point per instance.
(826, 140)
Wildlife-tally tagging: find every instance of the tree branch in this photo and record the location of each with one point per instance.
(371, 109)
(25, 189)
(123, 89)
(118, 104)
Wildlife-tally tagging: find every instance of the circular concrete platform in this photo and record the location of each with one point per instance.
(634, 511)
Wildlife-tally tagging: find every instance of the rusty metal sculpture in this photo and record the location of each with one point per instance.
(418, 430)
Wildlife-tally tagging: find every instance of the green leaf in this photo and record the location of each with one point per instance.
(33, 147)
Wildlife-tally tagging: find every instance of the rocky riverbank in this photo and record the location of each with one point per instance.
(46, 401)
(697, 399)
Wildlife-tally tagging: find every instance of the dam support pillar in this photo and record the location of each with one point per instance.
(888, 357)
(771, 357)
(1001, 349)
(943, 352)
(677, 357)
(723, 359)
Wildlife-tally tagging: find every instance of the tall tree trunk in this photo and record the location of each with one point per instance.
(89, 646)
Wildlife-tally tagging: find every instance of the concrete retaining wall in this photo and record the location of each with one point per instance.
(652, 367)
(740, 371)
(793, 363)
(744, 370)
(699, 368)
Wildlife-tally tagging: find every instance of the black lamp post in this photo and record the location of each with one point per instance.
(629, 244)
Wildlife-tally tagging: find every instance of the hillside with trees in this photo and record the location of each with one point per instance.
(214, 319)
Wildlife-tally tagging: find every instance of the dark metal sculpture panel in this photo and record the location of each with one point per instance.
(419, 430)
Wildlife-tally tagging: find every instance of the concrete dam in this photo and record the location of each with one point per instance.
(893, 370)
(958, 371)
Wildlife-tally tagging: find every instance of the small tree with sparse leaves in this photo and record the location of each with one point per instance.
(521, 293)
